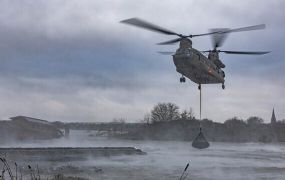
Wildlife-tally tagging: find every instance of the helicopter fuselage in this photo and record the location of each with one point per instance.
(192, 64)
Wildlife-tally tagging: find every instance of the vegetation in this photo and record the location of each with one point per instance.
(62, 177)
(163, 112)
(17, 172)
(34, 174)
(166, 122)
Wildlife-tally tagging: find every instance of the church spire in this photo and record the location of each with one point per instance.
(273, 118)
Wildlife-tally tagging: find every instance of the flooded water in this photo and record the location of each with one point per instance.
(167, 159)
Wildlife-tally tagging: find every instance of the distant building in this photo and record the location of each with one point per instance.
(31, 120)
(33, 128)
(273, 118)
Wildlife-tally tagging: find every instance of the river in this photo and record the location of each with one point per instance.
(167, 159)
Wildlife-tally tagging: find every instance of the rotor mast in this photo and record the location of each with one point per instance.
(185, 43)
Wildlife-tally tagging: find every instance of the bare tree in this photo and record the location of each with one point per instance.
(164, 112)
(146, 119)
(187, 115)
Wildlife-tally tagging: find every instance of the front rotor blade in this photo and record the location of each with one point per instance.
(149, 26)
(170, 41)
(249, 28)
(166, 52)
(205, 34)
(246, 52)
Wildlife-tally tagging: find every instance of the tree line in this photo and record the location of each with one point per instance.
(165, 112)
(166, 121)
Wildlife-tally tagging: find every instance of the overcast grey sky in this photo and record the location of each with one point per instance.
(72, 60)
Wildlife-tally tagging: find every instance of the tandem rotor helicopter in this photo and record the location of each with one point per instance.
(192, 63)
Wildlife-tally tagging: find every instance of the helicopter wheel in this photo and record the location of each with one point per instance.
(199, 87)
(182, 79)
(223, 86)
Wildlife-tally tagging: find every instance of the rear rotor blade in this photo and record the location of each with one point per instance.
(170, 41)
(206, 51)
(149, 26)
(219, 38)
(246, 52)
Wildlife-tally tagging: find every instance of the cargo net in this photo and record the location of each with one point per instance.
(200, 141)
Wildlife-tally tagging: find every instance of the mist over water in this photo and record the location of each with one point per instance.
(167, 159)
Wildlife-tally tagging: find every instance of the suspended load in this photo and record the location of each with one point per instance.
(200, 142)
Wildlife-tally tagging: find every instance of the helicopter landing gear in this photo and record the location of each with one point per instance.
(199, 87)
(223, 86)
(182, 79)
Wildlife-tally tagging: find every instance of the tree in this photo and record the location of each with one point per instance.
(163, 112)
(187, 115)
(254, 120)
(119, 121)
(236, 128)
(184, 115)
(207, 121)
(146, 119)
(234, 123)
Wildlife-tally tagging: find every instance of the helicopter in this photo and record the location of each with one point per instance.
(192, 63)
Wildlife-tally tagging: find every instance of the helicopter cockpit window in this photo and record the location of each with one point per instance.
(198, 55)
(185, 51)
(188, 52)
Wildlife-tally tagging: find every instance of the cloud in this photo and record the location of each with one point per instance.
(69, 60)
